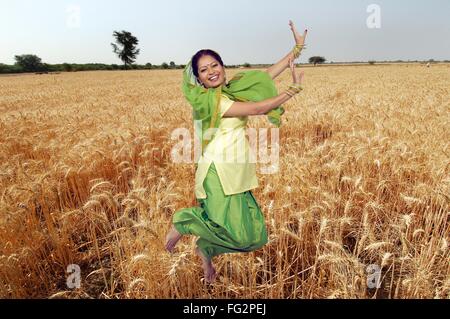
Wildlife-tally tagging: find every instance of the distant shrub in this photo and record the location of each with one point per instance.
(30, 63)
(317, 60)
(4, 68)
(67, 67)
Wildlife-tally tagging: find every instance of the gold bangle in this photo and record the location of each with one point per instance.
(289, 93)
(298, 49)
(296, 86)
(295, 91)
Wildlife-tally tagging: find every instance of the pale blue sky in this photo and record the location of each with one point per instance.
(254, 31)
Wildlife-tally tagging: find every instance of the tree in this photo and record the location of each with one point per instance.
(317, 60)
(67, 67)
(372, 62)
(246, 65)
(29, 62)
(172, 65)
(128, 47)
(165, 65)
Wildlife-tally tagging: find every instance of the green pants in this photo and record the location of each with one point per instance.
(223, 223)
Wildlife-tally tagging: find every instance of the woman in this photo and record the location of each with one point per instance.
(229, 219)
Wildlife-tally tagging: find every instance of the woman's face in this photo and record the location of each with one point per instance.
(210, 72)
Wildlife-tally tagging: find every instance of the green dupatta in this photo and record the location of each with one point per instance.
(245, 86)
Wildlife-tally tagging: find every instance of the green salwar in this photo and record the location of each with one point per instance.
(223, 223)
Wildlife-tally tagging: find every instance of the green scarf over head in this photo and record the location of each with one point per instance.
(245, 86)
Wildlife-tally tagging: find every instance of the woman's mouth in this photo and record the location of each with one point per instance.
(214, 78)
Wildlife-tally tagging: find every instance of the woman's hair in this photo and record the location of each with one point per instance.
(202, 53)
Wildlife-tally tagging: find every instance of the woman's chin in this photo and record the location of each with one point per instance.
(216, 85)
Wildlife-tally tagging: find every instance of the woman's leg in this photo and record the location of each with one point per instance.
(172, 239)
(208, 267)
(196, 221)
(223, 223)
(243, 227)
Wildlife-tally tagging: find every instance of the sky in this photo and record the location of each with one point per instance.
(253, 31)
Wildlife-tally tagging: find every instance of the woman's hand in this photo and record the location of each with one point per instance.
(297, 78)
(299, 39)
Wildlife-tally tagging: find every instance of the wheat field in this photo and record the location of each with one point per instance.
(87, 178)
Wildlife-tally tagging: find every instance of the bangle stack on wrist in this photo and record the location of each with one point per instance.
(298, 49)
(294, 89)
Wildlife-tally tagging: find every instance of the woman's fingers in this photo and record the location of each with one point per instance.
(295, 76)
(292, 24)
(291, 63)
(297, 35)
(301, 76)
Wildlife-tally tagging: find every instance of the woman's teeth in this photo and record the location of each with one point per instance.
(214, 78)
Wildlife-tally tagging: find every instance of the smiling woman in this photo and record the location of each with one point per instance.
(229, 219)
(208, 67)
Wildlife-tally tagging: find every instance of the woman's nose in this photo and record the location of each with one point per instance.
(210, 71)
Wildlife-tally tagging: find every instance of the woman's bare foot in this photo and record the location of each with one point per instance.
(208, 268)
(173, 237)
(299, 39)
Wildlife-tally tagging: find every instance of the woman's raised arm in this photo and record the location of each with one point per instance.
(278, 68)
(239, 109)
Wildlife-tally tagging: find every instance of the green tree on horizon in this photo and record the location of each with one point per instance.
(125, 47)
(29, 62)
(317, 60)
